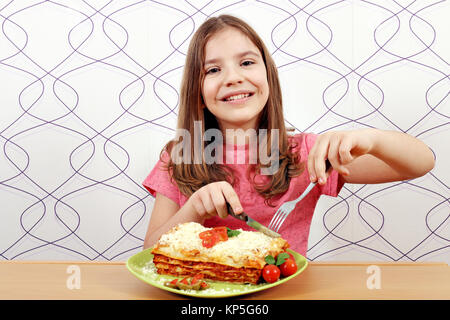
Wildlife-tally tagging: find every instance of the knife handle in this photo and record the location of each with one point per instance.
(327, 165)
(243, 216)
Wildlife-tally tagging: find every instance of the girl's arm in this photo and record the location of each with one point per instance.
(369, 156)
(165, 215)
(206, 202)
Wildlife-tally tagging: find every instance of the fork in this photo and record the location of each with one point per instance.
(286, 208)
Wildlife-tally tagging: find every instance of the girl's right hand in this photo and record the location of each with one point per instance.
(211, 200)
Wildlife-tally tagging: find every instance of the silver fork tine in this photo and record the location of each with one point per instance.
(286, 212)
(279, 220)
(286, 208)
(275, 218)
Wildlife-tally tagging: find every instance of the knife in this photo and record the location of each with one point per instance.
(252, 222)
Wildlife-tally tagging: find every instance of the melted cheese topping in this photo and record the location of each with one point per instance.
(247, 249)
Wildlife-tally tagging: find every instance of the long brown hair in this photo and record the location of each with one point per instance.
(191, 177)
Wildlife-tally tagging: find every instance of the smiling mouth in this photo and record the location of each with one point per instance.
(237, 97)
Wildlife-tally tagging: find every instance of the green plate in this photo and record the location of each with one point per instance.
(141, 265)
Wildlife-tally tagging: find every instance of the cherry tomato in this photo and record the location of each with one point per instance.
(197, 278)
(206, 234)
(290, 255)
(271, 273)
(288, 267)
(209, 242)
(222, 233)
(213, 236)
(172, 284)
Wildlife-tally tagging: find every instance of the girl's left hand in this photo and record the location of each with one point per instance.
(340, 148)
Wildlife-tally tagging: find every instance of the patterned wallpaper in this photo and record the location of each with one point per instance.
(89, 95)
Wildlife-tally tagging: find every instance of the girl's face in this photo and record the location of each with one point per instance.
(235, 88)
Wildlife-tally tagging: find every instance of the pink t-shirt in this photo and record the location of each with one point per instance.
(296, 227)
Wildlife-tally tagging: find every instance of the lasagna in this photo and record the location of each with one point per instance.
(181, 252)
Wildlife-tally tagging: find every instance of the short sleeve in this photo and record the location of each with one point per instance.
(159, 181)
(334, 183)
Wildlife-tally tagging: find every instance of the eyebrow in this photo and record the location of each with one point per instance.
(239, 55)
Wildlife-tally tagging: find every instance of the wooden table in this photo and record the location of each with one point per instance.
(320, 280)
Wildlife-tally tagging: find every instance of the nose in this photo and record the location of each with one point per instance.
(232, 77)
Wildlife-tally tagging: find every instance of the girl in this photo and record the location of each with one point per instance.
(231, 85)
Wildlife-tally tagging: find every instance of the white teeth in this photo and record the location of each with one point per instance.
(237, 97)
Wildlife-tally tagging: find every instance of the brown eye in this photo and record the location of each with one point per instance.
(212, 70)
